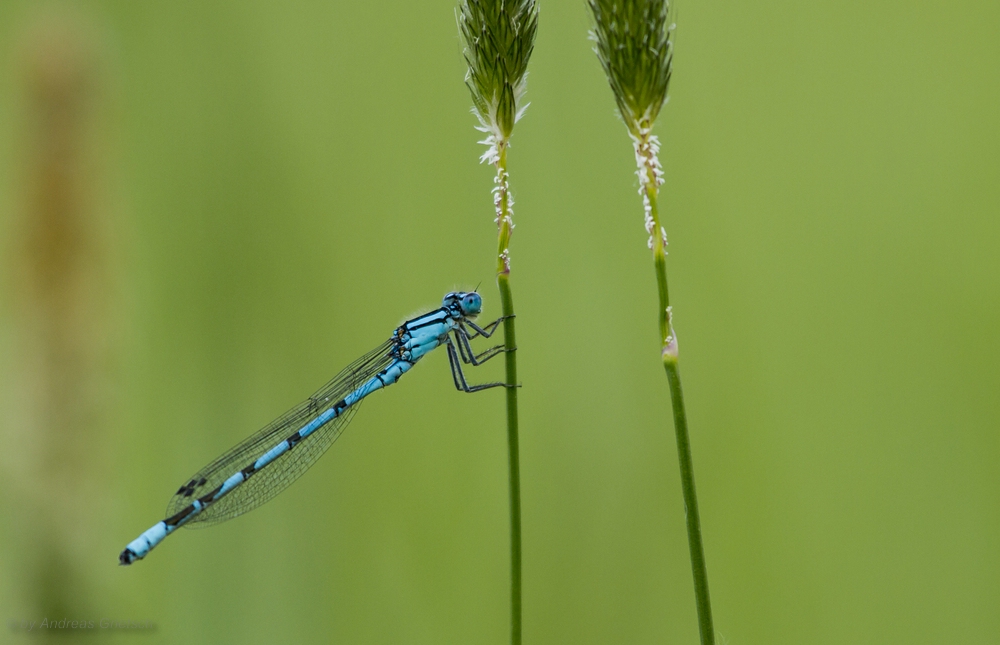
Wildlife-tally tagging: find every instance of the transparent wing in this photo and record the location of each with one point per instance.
(280, 473)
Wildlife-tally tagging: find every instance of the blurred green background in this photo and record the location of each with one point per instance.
(256, 193)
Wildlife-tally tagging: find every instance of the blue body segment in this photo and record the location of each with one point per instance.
(265, 463)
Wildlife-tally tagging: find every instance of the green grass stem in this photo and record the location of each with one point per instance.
(634, 43)
(498, 38)
(513, 459)
(505, 227)
(668, 351)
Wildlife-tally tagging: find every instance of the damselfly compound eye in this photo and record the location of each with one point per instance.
(472, 303)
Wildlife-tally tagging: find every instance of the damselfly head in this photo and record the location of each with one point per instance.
(469, 302)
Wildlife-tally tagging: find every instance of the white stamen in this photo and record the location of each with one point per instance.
(647, 148)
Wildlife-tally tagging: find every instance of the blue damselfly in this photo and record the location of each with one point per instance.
(265, 463)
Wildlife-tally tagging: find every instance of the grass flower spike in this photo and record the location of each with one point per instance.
(636, 51)
(634, 45)
(499, 36)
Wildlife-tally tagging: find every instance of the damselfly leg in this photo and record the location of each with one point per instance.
(482, 331)
(455, 361)
(465, 351)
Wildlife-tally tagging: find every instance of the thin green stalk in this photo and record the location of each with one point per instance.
(499, 36)
(505, 227)
(668, 341)
(698, 568)
(634, 43)
(514, 468)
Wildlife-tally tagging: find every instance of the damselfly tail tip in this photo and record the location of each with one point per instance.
(127, 557)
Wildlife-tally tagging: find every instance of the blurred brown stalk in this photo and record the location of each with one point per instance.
(54, 470)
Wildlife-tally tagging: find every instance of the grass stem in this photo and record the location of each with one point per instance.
(505, 227)
(499, 36)
(668, 351)
(513, 458)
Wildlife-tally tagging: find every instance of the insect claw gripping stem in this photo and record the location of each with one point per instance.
(459, 376)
